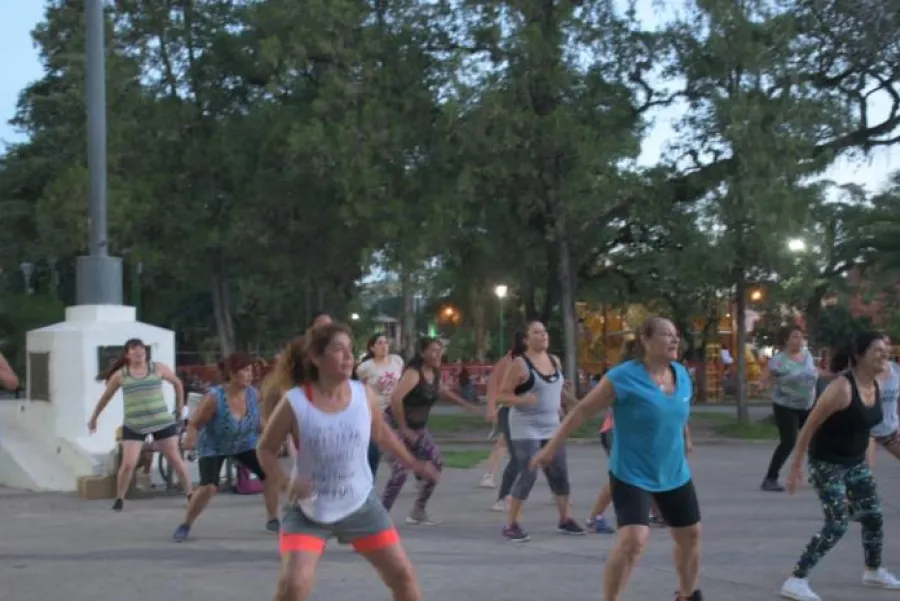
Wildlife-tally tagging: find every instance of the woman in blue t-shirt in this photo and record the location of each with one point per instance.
(650, 398)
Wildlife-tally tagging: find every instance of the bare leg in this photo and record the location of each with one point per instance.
(686, 558)
(396, 571)
(603, 501)
(621, 561)
(169, 448)
(298, 573)
(199, 500)
(131, 452)
(497, 454)
(271, 489)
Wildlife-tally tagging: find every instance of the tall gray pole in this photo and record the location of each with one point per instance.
(99, 276)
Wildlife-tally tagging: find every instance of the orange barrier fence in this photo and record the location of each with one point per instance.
(203, 376)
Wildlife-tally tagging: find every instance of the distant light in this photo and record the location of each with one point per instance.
(796, 245)
(756, 295)
(501, 291)
(448, 311)
(354, 316)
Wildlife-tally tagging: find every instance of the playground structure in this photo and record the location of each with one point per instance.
(603, 333)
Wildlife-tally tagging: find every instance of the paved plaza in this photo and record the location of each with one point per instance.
(59, 547)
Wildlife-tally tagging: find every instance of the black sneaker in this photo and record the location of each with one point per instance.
(273, 525)
(571, 528)
(181, 533)
(515, 534)
(771, 485)
(118, 505)
(697, 595)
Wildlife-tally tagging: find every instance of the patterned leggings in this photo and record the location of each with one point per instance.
(845, 492)
(425, 449)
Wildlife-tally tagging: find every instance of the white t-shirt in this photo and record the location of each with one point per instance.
(382, 378)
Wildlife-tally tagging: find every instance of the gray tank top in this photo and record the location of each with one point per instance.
(888, 390)
(540, 420)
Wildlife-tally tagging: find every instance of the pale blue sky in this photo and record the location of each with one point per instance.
(20, 66)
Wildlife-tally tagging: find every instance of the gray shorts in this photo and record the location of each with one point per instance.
(369, 528)
(557, 472)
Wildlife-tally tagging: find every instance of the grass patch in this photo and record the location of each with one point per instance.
(727, 425)
(464, 460)
(471, 425)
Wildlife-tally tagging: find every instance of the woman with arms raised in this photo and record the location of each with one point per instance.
(332, 489)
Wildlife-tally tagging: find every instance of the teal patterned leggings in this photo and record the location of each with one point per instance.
(845, 492)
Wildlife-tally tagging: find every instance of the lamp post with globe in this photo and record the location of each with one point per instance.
(501, 291)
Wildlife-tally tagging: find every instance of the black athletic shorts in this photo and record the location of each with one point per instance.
(167, 432)
(211, 467)
(679, 507)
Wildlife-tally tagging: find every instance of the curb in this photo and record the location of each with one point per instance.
(591, 441)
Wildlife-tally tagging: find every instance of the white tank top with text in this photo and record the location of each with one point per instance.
(333, 455)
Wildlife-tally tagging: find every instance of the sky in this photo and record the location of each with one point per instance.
(20, 66)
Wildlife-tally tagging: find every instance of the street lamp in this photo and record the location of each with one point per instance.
(796, 245)
(354, 317)
(501, 292)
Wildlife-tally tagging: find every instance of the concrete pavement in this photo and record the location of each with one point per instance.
(54, 546)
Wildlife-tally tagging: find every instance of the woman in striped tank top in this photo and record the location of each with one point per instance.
(145, 412)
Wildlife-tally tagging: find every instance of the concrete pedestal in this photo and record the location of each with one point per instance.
(45, 444)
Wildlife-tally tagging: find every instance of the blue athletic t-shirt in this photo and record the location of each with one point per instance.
(648, 448)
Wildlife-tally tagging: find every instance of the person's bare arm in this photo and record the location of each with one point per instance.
(495, 381)
(449, 395)
(835, 398)
(8, 377)
(201, 416)
(515, 375)
(281, 423)
(112, 385)
(165, 372)
(599, 398)
(688, 441)
(870, 453)
(407, 382)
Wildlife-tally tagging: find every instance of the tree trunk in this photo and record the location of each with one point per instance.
(740, 356)
(222, 312)
(409, 315)
(478, 317)
(569, 322)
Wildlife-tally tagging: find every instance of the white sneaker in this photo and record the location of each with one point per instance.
(798, 589)
(880, 578)
(499, 505)
(421, 518)
(487, 481)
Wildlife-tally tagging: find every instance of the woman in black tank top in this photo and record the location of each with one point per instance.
(417, 391)
(836, 434)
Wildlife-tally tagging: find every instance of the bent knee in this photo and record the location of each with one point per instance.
(632, 541)
(689, 536)
(401, 577)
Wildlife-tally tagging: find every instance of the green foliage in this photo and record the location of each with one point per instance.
(837, 325)
(264, 156)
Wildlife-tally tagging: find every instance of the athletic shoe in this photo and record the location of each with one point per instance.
(118, 505)
(515, 534)
(181, 533)
(499, 505)
(487, 481)
(599, 525)
(273, 525)
(419, 517)
(770, 485)
(697, 595)
(571, 528)
(880, 578)
(798, 590)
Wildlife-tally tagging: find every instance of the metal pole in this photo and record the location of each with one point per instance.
(500, 350)
(99, 276)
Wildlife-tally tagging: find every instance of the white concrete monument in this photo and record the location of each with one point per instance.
(44, 441)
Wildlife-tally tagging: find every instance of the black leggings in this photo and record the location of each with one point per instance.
(789, 422)
(512, 467)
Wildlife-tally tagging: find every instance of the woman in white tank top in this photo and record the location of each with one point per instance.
(331, 492)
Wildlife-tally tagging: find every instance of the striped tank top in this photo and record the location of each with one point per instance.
(144, 404)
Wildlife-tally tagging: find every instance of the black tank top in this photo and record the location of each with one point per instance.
(418, 402)
(844, 437)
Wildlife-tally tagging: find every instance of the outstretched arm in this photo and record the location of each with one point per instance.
(601, 397)
(8, 378)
